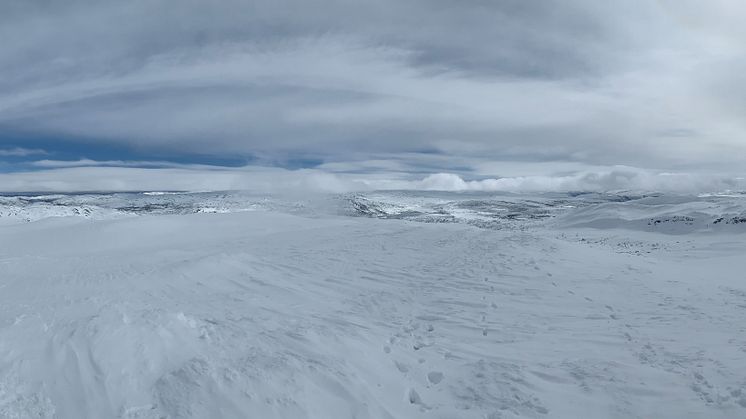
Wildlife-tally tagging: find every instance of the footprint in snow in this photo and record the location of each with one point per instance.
(435, 377)
(419, 345)
(414, 397)
(401, 367)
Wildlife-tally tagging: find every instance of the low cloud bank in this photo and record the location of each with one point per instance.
(105, 177)
(612, 180)
(20, 152)
(198, 178)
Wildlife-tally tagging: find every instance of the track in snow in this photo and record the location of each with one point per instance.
(270, 315)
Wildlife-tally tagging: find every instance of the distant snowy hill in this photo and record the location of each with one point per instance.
(32, 207)
(646, 212)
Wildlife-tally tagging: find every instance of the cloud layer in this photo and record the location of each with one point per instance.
(115, 176)
(414, 86)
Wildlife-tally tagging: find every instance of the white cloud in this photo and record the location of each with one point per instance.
(611, 179)
(21, 152)
(107, 176)
(197, 178)
(56, 164)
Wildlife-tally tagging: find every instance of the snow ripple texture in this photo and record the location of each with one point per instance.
(363, 306)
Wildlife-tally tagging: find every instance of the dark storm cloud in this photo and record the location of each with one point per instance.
(337, 81)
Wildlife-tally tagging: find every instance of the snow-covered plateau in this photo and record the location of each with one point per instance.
(372, 305)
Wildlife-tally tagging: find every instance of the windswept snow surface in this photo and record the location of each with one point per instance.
(386, 305)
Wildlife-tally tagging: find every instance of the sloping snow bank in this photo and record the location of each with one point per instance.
(265, 315)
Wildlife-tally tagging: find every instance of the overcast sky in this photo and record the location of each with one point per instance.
(480, 88)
